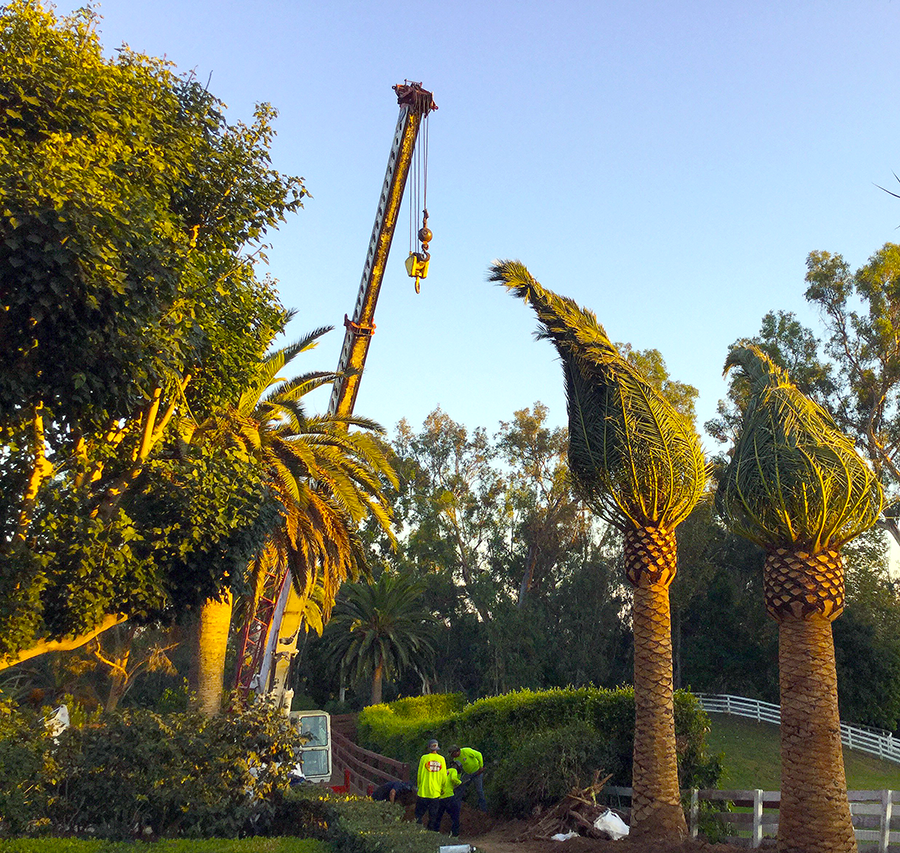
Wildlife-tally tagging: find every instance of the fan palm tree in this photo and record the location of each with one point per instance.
(327, 479)
(796, 486)
(380, 629)
(638, 464)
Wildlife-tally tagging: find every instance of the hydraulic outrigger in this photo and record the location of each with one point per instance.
(269, 641)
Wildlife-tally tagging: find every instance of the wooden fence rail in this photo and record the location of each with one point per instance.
(362, 769)
(875, 821)
(874, 741)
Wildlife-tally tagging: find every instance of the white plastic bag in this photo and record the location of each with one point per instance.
(564, 836)
(610, 823)
(57, 722)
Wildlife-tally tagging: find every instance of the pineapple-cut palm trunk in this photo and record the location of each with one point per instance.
(212, 643)
(815, 813)
(650, 561)
(804, 593)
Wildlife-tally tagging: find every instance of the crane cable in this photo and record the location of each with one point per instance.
(419, 240)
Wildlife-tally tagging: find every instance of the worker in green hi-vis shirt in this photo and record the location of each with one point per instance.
(473, 772)
(430, 780)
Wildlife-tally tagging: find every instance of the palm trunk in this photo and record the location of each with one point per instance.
(650, 563)
(212, 643)
(377, 679)
(805, 593)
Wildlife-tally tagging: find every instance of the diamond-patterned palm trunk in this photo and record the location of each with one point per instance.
(805, 593)
(650, 564)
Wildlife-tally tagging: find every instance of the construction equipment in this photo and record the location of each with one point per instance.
(269, 640)
(314, 728)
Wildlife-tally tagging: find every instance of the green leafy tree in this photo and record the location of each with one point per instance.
(547, 518)
(637, 462)
(867, 637)
(380, 629)
(796, 487)
(131, 221)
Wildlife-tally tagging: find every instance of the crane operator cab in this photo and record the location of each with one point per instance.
(314, 756)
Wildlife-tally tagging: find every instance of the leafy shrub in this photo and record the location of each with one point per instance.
(27, 765)
(433, 706)
(182, 774)
(542, 770)
(351, 824)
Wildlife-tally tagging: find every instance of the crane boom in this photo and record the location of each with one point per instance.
(269, 640)
(415, 104)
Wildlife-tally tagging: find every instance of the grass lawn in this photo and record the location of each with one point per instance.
(206, 845)
(751, 758)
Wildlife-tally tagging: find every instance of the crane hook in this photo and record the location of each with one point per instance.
(417, 262)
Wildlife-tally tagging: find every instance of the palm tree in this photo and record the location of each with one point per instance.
(327, 479)
(796, 486)
(638, 464)
(380, 629)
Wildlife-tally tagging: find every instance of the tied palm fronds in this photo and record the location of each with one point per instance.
(633, 458)
(794, 479)
(637, 462)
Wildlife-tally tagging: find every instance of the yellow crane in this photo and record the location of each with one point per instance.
(269, 640)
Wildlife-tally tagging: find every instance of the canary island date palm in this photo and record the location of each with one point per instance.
(796, 486)
(380, 629)
(327, 473)
(638, 464)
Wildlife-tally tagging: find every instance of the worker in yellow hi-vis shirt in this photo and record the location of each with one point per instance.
(430, 780)
(472, 763)
(449, 802)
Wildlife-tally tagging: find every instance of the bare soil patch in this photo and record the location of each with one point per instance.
(491, 835)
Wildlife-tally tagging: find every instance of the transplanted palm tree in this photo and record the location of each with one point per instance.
(796, 486)
(326, 472)
(380, 629)
(638, 464)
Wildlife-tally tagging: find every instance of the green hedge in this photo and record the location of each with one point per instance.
(501, 727)
(351, 824)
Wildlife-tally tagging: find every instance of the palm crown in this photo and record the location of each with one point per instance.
(794, 477)
(633, 458)
(327, 478)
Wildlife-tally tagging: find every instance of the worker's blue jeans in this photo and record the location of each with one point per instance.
(427, 804)
(477, 781)
(453, 806)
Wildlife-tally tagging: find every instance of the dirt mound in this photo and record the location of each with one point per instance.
(495, 835)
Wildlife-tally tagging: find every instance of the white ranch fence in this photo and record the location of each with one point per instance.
(876, 821)
(873, 741)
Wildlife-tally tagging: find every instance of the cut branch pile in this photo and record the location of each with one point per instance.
(577, 811)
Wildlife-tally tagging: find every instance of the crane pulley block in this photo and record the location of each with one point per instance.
(417, 266)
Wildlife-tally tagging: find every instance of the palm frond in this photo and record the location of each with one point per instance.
(794, 478)
(632, 457)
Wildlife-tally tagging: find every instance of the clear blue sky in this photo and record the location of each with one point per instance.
(667, 164)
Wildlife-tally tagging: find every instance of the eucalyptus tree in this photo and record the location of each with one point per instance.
(637, 462)
(380, 629)
(796, 486)
(327, 478)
